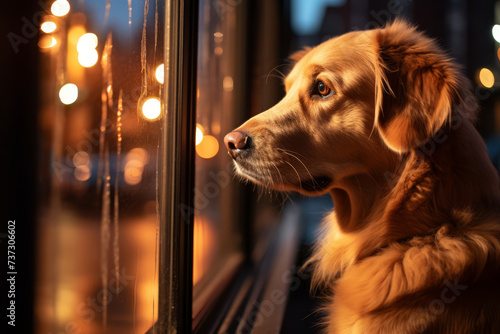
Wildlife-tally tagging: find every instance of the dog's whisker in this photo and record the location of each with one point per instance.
(296, 172)
(291, 152)
(303, 164)
(279, 174)
(281, 75)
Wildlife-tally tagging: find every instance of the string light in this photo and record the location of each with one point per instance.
(160, 73)
(47, 42)
(495, 31)
(86, 47)
(48, 27)
(60, 8)
(68, 93)
(486, 78)
(151, 109)
(199, 133)
(86, 42)
(88, 59)
(208, 147)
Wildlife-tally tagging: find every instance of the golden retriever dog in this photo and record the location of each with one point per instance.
(383, 121)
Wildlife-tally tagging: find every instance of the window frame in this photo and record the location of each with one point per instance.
(177, 177)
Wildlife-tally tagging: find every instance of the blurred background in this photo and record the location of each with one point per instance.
(84, 114)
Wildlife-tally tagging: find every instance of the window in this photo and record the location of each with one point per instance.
(102, 121)
(218, 239)
(141, 224)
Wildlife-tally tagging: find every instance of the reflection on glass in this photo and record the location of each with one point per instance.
(151, 109)
(68, 93)
(98, 216)
(217, 238)
(159, 74)
(208, 147)
(60, 7)
(48, 27)
(47, 42)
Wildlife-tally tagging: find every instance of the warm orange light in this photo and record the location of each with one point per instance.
(218, 37)
(486, 78)
(60, 7)
(203, 240)
(216, 127)
(160, 73)
(208, 147)
(133, 172)
(138, 154)
(81, 158)
(68, 93)
(89, 58)
(48, 27)
(227, 83)
(199, 134)
(86, 47)
(47, 42)
(151, 109)
(218, 51)
(87, 42)
(496, 32)
(82, 173)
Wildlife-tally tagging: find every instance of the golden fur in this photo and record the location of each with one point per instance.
(413, 245)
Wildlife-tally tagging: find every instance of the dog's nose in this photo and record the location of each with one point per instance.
(236, 142)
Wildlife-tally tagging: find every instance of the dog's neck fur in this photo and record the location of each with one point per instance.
(424, 190)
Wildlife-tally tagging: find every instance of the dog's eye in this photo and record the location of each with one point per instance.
(321, 89)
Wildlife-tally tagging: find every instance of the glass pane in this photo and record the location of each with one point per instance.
(101, 92)
(217, 235)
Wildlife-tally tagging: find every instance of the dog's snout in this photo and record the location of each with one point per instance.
(236, 142)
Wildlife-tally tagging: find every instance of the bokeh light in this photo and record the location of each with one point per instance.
(486, 78)
(89, 58)
(87, 42)
(227, 84)
(60, 7)
(218, 37)
(68, 93)
(48, 27)
(199, 133)
(151, 109)
(138, 154)
(218, 51)
(81, 158)
(135, 159)
(47, 42)
(160, 73)
(133, 172)
(82, 173)
(208, 147)
(495, 31)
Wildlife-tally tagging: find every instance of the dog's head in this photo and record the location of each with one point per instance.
(352, 104)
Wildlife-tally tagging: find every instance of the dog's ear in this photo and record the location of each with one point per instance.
(298, 55)
(416, 86)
